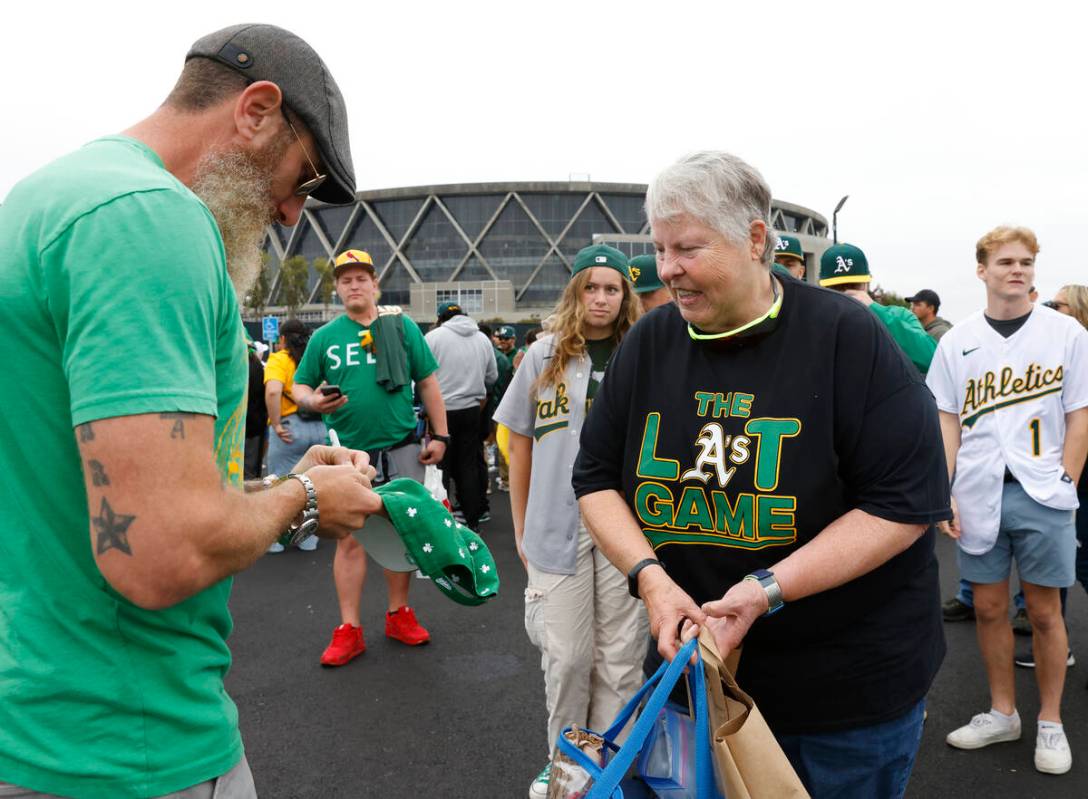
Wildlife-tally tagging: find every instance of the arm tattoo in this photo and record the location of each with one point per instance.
(86, 433)
(98, 474)
(178, 430)
(112, 529)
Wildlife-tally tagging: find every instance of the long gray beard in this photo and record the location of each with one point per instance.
(237, 188)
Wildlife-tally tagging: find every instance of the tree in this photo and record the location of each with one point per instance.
(325, 280)
(886, 297)
(258, 295)
(294, 283)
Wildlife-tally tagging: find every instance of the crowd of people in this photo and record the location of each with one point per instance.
(699, 438)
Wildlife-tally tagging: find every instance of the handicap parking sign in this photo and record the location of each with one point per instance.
(271, 328)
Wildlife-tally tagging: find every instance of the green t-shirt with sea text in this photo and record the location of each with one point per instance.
(372, 418)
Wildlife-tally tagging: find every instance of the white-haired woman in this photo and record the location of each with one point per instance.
(762, 445)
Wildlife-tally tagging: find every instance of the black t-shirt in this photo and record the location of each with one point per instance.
(600, 351)
(733, 454)
(1006, 327)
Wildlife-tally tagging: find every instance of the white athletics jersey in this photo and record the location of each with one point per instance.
(1011, 396)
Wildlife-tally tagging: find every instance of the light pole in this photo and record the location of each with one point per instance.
(835, 220)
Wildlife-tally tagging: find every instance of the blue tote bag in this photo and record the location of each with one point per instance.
(617, 760)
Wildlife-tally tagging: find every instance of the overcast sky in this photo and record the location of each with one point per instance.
(940, 120)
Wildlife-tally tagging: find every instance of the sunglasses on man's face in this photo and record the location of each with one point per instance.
(307, 187)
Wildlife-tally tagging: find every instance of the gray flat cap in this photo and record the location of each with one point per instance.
(265, 52)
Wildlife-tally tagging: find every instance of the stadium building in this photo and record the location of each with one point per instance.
(501, 250)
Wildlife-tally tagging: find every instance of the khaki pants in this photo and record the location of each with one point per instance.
(592, 637)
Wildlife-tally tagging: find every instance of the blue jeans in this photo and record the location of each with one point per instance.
(862, 763)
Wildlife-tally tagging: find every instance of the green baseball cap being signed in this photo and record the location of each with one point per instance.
(421, 534)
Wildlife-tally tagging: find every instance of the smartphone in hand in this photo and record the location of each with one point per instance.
(330, 391)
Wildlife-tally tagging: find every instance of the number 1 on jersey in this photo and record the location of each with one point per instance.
(1036, 442)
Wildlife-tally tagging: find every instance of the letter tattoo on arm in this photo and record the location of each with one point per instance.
(178, 430)
(112, 529)
(98, 474)
(86, 433)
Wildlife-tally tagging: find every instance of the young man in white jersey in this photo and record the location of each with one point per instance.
(1011, 384)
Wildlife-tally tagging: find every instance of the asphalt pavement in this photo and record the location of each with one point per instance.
(464, 715)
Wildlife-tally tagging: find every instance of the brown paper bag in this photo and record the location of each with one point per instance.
(747, 759)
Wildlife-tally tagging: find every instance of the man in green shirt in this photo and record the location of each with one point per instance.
(358, 372)
(120, 267)
(844, 267)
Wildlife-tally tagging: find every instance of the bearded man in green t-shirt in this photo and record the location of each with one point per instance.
(358, 372)
(122, 514)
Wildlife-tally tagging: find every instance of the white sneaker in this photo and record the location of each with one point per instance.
(1052, 755)
(985, 729)
(308, 544)
(539, 788)
(276, 548)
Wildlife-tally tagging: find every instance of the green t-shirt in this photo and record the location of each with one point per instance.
(600, 351)
(114, 288)
(372, 418)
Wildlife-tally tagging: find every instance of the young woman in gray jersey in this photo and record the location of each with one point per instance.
(591, 633)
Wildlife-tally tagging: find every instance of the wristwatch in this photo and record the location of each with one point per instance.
(770, 585)
(439, 437)
(632, 576)
(306, 522)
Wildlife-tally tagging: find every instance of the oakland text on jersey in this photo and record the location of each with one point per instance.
(995, 390)
(552, 414)
(694, 505)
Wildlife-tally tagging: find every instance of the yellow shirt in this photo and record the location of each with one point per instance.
(281, 367)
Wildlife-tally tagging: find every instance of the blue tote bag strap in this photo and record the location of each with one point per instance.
(707, 787)
(605, 785)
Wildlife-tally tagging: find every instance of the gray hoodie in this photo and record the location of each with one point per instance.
(466, 362)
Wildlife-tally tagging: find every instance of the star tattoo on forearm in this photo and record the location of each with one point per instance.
(112, 529)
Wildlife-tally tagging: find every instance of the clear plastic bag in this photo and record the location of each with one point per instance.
(667, 761)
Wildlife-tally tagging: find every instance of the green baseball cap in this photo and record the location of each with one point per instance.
(843, 263)
(778, 269)
(601, 255)
(788, 247)
(644, 274)
(506, 331)
(421, 534)
(448, 309)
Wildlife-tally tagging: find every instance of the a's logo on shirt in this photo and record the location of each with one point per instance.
(708, 513)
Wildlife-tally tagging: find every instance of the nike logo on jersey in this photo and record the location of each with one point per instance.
(968, 352)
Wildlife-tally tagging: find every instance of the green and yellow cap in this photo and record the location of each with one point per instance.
(788, 247)
(601, 255)
(843, 263)
(644, 274)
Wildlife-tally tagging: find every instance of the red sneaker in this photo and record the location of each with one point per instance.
(402, 625)
(347, 643)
